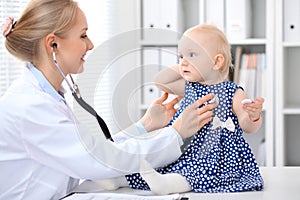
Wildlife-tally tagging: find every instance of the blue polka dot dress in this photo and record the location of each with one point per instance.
(218, 159)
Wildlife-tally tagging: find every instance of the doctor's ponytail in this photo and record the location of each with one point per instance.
(40, 18)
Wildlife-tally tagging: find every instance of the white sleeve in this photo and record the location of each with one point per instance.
(55, 141)
(159, 148)
(137, 129)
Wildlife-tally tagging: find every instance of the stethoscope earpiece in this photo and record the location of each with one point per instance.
(54, 45)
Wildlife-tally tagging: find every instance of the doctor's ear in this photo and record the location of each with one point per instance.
(219, 60)
(50, 43)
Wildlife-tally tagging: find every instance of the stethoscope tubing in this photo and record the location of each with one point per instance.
(91, 110)
(82, 103)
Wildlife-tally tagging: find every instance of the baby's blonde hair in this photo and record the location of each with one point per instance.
(223, 47)
(40, 18)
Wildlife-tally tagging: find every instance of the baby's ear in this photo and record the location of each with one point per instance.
(219, 61)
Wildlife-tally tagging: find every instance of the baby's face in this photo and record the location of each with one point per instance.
(196, 62)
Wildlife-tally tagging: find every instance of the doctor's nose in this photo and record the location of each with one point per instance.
(89, 44)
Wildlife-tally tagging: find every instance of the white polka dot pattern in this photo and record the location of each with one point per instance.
(216, 160)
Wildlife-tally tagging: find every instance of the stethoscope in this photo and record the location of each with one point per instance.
(78, 98)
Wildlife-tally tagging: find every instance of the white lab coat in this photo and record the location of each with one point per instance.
(43, 153)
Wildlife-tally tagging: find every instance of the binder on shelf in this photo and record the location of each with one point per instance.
(238, 19)
(252, 73)
(251, 81)
(291, 21)
(261, 74)
(215, 12)
(171, 15)
(151, 15)
(151, 92)
(150, 63)
(247, 75)
(161, 20)
(168, 58)
(150, 68)
(237, 63)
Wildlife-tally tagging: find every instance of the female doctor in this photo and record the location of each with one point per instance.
(43, 150)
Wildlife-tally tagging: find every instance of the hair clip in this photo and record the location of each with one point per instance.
(14, 25)
(8, 26)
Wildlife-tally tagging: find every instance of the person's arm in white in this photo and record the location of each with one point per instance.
(55, 142)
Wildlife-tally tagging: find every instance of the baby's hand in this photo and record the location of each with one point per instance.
(254, 108)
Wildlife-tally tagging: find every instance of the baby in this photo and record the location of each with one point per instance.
(217, 159)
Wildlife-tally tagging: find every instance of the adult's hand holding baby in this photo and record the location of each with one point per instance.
(159, 114)
(195, 116)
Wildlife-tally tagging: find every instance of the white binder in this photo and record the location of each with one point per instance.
(238, 19)
(161, 20)
(150, 63)
(171, 18)
(151, 93)
(291, 20)
(247, 74)
(214, 13)
(168, 58)
(151, 15)
(150, 68)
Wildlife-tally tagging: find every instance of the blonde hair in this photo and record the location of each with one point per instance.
(223, 47)
(40, 18)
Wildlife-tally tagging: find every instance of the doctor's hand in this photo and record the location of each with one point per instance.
(194, 117)
(158, 115)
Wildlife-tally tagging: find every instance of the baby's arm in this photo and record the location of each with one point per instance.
(170, 81)
(248, 114)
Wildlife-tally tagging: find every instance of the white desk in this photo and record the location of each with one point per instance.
(280, 184)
